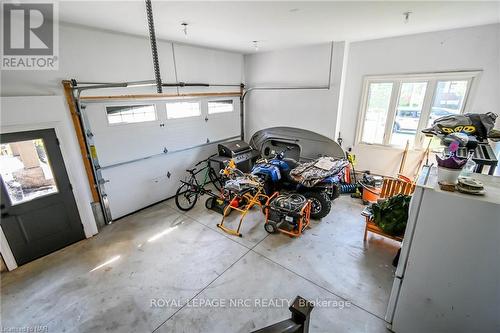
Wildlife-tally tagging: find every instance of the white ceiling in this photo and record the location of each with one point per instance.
(233, 25)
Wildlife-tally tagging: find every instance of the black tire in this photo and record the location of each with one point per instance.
(271, 227)
(216, 180)
(209, 203)
(185, 198)
(321, 204)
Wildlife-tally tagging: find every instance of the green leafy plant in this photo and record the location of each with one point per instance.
(391, 215)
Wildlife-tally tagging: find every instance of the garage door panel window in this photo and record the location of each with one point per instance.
(220, 106)
(396, 109)
(128, 114)
(179, 110)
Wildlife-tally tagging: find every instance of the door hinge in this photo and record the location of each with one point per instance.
(57, 141)
(70, 187)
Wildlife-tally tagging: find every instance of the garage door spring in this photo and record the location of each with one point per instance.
(154, 50)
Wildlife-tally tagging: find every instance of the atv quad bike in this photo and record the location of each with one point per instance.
(276, 176)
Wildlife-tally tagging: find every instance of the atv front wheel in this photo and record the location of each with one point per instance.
(320, 204)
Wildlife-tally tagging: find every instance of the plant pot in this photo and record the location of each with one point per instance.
(446, 175)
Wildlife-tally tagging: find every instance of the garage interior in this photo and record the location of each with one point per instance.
(237, 166)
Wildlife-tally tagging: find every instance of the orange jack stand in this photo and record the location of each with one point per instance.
(249, 200)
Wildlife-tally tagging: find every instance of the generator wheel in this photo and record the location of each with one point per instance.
(271, 227)
(321, 204)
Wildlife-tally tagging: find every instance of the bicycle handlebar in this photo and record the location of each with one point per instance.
(205, 159)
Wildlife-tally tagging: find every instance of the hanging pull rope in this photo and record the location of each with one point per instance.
(154, 50)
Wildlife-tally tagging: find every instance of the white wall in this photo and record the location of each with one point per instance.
(314, 110)
(475, 48)
(94, 55)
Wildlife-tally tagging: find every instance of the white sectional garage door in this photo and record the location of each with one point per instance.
(143, 150)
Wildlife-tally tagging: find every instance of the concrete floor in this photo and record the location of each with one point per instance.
(160, 269)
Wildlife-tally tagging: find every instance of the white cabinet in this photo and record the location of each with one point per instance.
(448, 276)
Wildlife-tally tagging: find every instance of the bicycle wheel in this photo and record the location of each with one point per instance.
(186, 196)
(216, 180)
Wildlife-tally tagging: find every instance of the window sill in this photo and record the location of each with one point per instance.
(435, 150)
(387, 147)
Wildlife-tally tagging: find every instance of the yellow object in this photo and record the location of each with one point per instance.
(351, 158)
(93, 152)
(249, 200)
(231, 165)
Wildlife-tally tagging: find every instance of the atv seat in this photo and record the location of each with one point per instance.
(291, 162)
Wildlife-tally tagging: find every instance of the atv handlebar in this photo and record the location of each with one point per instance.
(281, 154)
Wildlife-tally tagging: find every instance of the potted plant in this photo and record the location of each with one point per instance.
(450, 165)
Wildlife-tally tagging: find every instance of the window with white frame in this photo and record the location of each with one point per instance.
(126, 114)
(396, 108)
(184, 109)
(220, 106)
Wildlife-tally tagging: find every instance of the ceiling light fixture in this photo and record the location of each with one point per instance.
(185, 29)
(255, 45)
(406, 16)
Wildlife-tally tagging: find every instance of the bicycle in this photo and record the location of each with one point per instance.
(187, 194)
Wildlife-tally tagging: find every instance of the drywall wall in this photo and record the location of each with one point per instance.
(475, 48)
(93, 55)
(307, 66)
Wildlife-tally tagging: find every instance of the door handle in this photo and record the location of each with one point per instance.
(4, 215)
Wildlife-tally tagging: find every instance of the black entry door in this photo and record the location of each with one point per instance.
(39, 212)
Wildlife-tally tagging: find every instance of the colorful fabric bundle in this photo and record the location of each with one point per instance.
(311, 173)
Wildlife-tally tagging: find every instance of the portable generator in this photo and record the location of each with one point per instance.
(287, 213)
